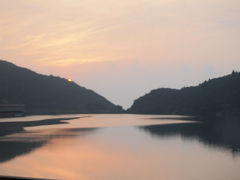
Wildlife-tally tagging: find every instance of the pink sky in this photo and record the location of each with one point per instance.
(123, 49)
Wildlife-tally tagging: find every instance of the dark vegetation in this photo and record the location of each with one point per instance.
(18, 178)
(42, 94)
(216, 97)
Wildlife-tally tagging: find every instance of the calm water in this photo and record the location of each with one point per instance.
(121, 147)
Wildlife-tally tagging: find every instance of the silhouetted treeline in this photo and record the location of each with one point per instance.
(218, 97)
(43, 94)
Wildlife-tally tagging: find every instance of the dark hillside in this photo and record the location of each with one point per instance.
(43, 94)
(215, 97)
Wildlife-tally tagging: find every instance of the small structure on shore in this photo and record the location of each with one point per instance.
(12, 110)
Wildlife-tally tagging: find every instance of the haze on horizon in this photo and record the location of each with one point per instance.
(123, 49)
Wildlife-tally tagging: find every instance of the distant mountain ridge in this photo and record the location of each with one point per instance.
(216, 96)
(44, 94)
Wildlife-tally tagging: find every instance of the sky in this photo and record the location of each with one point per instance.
(123, 49)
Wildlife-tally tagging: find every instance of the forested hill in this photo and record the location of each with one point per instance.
(215, 96)
(44, 94)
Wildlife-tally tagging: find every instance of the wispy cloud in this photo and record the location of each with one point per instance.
(80, 35)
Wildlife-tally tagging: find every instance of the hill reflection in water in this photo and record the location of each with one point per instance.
(122, 146)
(222, 133)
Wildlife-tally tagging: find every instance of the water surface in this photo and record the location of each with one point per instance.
(119, 147)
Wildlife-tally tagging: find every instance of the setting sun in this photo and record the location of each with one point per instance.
(69, 80)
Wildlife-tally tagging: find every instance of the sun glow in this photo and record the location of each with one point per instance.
(69, 80)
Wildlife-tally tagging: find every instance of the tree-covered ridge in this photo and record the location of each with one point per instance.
(210, 97)
(48, 94)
